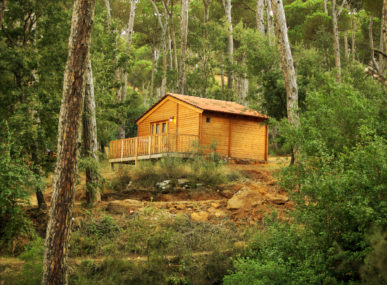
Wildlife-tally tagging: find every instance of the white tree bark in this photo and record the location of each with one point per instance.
(259, 17)
(90, 139)
(62, 201)
(184, 34)
(108, 13)
(353, 35)
(230, 40)
(129, 36)
(383, 41)
(286, 62)
(163, 26)
(326, 7)
(269, 21)
(336, 42)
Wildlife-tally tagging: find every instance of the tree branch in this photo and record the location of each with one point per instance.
(380, 52)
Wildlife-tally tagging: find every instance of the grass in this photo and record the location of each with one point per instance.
(199, 170)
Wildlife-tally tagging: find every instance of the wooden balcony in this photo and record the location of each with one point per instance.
(148, 147)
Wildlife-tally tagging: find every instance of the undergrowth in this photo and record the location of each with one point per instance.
(200, 170)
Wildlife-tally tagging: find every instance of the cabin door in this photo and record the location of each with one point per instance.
(159, 132)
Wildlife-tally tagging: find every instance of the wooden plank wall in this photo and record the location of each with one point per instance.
(248, 139)
(237, 137)
(188, 121)
(215, 130)
(166, 110)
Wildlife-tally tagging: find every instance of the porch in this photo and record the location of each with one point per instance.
(149, 147)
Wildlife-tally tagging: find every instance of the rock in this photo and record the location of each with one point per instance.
(164, 184)
(124, 206)
(199, 185)
(200, 216)
(220, 214)
(227, 193)
(180, 207)
(215, 205)
(182, 181)
(277, 198)
(236, 202)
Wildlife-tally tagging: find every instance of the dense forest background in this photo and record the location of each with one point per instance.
(224, 50)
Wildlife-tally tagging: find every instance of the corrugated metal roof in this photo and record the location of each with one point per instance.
(212, 105)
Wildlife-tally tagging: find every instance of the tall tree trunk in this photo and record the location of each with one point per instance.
(371, 38)
(286, 64)
(353, 35)
(152, 87)
(129, 37)
(62, 201)
(269, 21)
(2, 9)
(206, 4)
(346, 50)
(259, 17)
(108, 14)
(326, 7)
(184, 33)
(383, 39)
(230, 41)
(336, 42)
(163, 26)
(90, 139)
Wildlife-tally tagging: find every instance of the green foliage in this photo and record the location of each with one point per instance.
(14, 178)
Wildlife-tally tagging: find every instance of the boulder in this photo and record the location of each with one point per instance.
(236, 202)
(220, 214)
(200, 216)
(215, 205)
(277, 198)
(124, 206)
(182, 181)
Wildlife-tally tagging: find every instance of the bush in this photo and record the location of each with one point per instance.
(14, 178)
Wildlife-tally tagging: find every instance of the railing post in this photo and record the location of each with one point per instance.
(136, 151)
(122, 149)
(149, 146)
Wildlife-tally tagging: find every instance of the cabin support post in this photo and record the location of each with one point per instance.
(266, 142)
(177, 127)
(149, 146)
(136, 152)
(122, 149)
(229, 138)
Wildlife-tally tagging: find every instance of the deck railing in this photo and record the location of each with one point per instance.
(150, 145)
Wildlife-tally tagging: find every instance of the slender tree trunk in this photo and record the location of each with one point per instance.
(36, 170)
(259, 17)
(163, 27)
(269, 22)
(230, 40)
(129, 37)
(173, 37)
(383, 36)
(2, 9)
(336, 42)
(371, 38)
(326, 7)
(206, 4)
(108, 14)
(62, 201)
(151, 88)
(90, 139)
(286, 63)
(353, 36)
(184, 33)
(346, 50)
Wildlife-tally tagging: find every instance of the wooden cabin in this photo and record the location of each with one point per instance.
(178, 124)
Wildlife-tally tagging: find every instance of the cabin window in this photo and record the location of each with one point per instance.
(164, 128)
(208, 120)
(157, 128)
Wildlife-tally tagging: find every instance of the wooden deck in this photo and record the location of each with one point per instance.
(148, 147)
